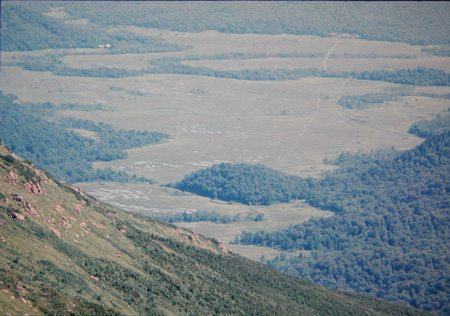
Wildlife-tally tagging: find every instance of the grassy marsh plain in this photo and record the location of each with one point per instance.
(289, 126)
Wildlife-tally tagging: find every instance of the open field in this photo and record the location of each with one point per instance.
(289, 126)
(153, 200)
(333, 63)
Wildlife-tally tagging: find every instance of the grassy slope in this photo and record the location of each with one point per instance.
(73, 254)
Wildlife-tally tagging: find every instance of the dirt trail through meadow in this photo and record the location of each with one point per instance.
(324, 63)
(328, 55)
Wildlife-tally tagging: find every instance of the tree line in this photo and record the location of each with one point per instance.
(368, 100)
(207, 216)
(64, 153)
(426, 128)
(388, 238)
(242, 183)
(26, 29)
(414, 23)
(421, 76)
(389, 235)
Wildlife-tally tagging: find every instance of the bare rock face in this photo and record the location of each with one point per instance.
(11, 178)
(223, 247)
(78, 190)
(35, 187)
(93, 277)
(30, 210)
(77, 208)
(17, 216)
(65, 221)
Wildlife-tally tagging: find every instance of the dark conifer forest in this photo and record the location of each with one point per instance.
(389, 236)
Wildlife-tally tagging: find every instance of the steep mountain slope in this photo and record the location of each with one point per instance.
(62, 252)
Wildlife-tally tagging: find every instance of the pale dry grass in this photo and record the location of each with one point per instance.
(154, 200)
(290, 126)
(333, 63)
(127, 61)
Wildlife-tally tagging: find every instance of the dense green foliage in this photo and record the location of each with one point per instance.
(441, 51)
(411, 22)
(108, 262)
(390, 236)
(437, 126)
(205, 216)
(197, 216)
(373, 55)
(53, 63)
(365, 101)
(420, 76)
(27, 30)
(64, 153)
(56, 305)
(116, 139)
(241, 183)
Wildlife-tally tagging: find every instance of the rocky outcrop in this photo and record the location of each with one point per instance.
(30, 210)
(65, 221)
(59, 209)
(78, 190)
(41, 174)
(223, 247)
(93, 277)
(11, 178)
(55, 231)
(35, 187)
(77, 208)
(17, 216)
(51, 221)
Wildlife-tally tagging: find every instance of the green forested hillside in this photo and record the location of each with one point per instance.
(63, 253)
(425, 128)
(416, 23)
(32, 131)
(389, 237)
(419, 23)
(27, 30)
(242, 183)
